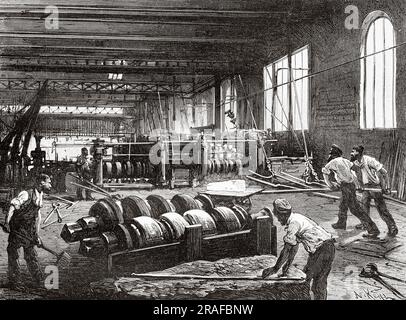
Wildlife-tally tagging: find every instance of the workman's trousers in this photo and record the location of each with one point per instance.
(380, 205)
(318, 268)
(349, 201)
(30, 256)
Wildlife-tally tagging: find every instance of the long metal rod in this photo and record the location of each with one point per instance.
(294, 191)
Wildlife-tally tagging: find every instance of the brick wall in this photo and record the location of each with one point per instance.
(335, 94)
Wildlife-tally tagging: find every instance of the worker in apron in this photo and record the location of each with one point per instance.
(23, 223)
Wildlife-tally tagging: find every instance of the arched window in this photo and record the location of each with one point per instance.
(378, 73)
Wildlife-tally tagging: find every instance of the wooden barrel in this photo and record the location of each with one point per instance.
(72, 232)
(150, 232)
(175, 224)
(243, 216)
(205, 202)
(226, 220)
(203, 218)
(108, 211)
(134, 206)
(111, 242)
(183, 203)
(125, 240)
(159, 205)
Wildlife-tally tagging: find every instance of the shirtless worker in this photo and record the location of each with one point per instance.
(346, 182)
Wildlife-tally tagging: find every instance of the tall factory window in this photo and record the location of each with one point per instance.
(300, 89)
(378, 72)
(287, 105)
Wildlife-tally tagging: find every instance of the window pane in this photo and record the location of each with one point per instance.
(268, 95)
(378, 98)
(300, 103)
(281, 98)
(370, 75)
(379, 74)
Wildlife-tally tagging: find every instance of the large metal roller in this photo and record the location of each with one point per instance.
(134, 206)
(150, 232)
(111, 241)
(124, 237)
(117, 170)
(72, 232)
(109, 211)
(91, 225)
(205, 202)
(183, 203)
(203, 218)
(243, 216)
(107, 170)
(138, 169)
(159, 205)
(225, 219)
(175, 223)
(143, 170)
(128, 169)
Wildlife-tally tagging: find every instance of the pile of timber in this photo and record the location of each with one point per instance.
(115, 225)
(393, 156)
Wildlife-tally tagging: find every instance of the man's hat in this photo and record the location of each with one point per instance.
(335, 150)
(282, 206)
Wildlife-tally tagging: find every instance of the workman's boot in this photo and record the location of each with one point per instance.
(393, 231)
(360, 226)
(339, 225)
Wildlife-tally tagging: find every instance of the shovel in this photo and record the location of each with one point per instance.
(63, 259)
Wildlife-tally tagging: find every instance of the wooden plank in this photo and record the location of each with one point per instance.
(193, 242)
(122, 27)
(262, 232)
(214, 278)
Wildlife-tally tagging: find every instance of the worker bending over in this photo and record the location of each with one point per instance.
(316, 241)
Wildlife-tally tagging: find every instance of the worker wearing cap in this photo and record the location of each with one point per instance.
(346, 182)
(371, 174)
(23, 223)
(84, 168)
(317, 242)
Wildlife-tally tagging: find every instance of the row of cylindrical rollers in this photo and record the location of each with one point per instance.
(144, 231)
(128, 169)
(223, 166)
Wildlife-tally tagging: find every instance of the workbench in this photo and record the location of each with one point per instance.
(230, 198)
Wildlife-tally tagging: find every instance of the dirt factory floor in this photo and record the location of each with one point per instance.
(353, 252)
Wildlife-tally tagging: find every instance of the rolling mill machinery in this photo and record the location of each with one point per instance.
(173, 161)
(132, 225)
